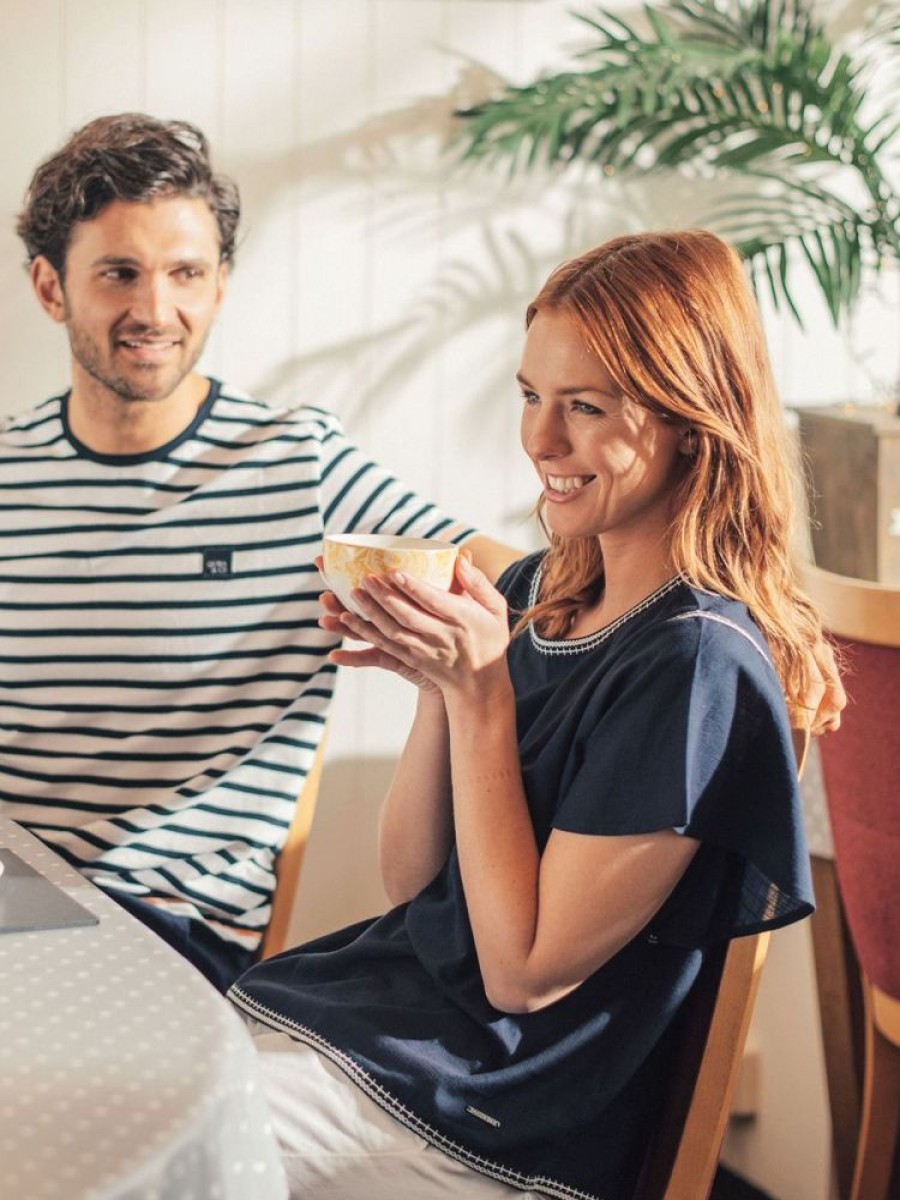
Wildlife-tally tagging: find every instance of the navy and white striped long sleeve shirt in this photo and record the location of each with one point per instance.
(163, 679)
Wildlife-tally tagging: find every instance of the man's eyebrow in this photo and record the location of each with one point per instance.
(114, 260)
(124, 260)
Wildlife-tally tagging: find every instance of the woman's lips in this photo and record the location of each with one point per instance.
(565, 487)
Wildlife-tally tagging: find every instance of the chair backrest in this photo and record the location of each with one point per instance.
(861, 766)
(290, 860)
(681, 1160)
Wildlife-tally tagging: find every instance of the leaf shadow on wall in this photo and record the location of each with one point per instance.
(499, 239)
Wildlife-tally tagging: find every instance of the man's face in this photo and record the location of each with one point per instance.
(143, 283)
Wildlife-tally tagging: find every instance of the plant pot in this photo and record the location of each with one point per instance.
(852, 458)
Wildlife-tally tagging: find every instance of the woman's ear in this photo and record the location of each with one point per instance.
(687, 443)
(48, 288)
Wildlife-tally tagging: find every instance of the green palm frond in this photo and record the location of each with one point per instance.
(884, 26)
(735, 88)
(818, 226)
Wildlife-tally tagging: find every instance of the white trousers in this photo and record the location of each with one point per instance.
(339, 1144)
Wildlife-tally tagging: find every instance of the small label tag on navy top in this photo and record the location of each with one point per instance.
(216, 561)
(482, 1116)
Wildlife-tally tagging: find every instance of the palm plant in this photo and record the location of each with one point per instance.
(752, 91)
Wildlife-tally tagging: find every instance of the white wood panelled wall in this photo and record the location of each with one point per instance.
(370, 278)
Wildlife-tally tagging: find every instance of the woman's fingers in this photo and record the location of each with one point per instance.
(375, 615)
(405, 610)
(331, 604)
(827, 697)
(370, 657)
(455, 585)
(413, 602)
(380, 653)
(479, 587)
(332, 618)
(432, 637)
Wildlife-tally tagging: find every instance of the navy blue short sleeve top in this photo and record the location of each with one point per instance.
(670, 718)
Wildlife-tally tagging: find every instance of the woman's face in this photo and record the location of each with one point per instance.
(608, 466)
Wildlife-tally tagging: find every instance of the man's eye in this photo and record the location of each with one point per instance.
(190, 273)
(119, 274)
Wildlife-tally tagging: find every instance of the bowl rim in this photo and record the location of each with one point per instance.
(387, 541)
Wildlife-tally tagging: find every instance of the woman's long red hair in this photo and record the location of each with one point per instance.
(673, 320)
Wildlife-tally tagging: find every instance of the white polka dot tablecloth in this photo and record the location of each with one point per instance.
(123, 1074)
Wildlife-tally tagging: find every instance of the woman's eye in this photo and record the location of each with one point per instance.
(590, 410)
(530, 397)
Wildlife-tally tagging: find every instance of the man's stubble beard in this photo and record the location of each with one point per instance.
(87, 354)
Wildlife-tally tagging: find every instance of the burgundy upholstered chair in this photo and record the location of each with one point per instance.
(861, 772)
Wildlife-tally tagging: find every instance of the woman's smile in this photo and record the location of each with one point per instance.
(559, 487)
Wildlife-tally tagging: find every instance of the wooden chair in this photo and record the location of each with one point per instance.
(683, 1156)
(712, 1030)
(290, 860)
(861, 772)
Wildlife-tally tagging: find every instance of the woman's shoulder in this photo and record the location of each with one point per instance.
(695, 614)
(709, 635)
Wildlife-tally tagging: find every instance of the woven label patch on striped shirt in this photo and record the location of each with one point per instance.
(216, 561)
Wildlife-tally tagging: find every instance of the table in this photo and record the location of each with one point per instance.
(124, 1075)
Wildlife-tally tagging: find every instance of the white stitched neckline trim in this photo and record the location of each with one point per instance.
(590, 640)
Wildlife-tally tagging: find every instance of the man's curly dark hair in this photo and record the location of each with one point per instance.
(131, 157)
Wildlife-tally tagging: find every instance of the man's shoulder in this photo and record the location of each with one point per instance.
(236, 405)
(21, 427)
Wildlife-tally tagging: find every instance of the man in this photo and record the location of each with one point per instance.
(165, 677)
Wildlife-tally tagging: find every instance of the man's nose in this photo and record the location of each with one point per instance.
(152, 301)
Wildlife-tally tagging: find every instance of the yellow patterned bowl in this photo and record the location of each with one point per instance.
(349, 558)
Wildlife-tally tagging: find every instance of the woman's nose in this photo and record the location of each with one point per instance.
(543, 433)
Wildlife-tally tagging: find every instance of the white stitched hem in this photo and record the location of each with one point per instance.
(387, 1101)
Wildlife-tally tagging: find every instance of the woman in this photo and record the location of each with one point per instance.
(584, 808)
